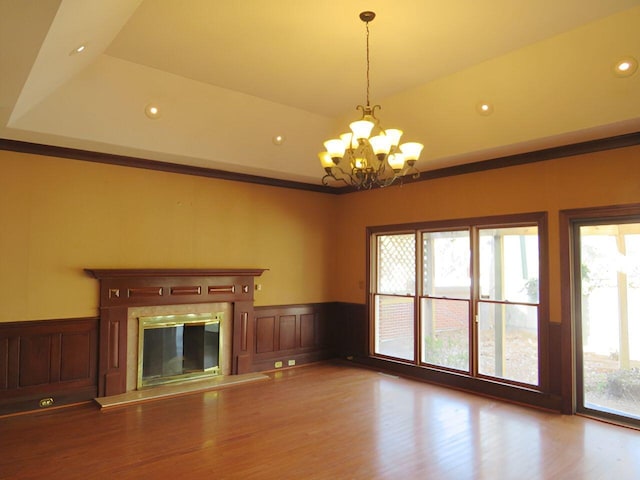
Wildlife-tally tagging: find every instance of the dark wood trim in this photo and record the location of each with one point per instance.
(350, 339)
(350, 330)
(581, 148)
(134, 162)
(571, 150)
(547, 334)
(567, 364)
(567, 220)
(486, 221)
(478, 386)
(101, 273)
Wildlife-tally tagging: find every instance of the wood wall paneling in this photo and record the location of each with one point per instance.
(58, 358)
(75, 356)
(349, 330)
(35, 360)
(113, 353)
(243, 337)
(287, 332)
(310, 332)
(292, 333)
(265, 334)
(4, 363)
(555, 359)
(47, 359)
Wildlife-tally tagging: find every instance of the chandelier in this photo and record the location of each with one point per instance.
(373, 154)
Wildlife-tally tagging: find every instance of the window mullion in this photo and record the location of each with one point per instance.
(475, 298)
(416, 300)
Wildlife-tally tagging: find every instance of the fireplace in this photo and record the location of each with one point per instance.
(207, 303)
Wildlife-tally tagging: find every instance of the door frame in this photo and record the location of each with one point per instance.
(570, 296)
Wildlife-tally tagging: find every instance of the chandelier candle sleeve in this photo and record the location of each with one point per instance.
(373, 157)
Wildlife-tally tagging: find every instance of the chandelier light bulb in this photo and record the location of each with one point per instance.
(394, 135)
(325, 160)
(411, 150)
(335, 148)
(396, 161)
(381, 144)
(360, 163)
(349, 140)
(361, 129)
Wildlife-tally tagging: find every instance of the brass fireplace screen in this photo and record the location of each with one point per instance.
(174, 348)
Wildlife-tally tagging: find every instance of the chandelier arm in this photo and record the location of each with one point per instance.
(342, 176)
(326, 180)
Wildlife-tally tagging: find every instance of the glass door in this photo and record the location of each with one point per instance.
(607, 281)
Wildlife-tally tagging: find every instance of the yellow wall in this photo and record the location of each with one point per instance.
(60, 216)
(598, 179)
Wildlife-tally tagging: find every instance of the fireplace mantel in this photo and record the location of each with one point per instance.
(121, 289)
(101, 273)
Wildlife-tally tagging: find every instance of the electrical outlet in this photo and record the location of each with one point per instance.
(291, 363)
(278, 364)
(46, 402)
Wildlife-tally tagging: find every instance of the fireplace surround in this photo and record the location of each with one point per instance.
(123, 291)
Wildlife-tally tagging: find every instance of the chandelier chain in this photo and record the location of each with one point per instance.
(367, 26)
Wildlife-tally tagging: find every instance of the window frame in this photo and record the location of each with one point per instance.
(473, 225)
(570, 221)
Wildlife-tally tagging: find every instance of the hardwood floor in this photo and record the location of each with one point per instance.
(324, 421)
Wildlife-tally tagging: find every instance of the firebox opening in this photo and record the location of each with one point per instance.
(174, 348)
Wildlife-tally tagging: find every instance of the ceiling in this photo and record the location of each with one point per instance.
(229, 76)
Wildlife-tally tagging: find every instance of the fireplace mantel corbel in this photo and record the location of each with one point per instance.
(121, 289)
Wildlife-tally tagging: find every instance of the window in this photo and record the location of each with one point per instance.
(463, 296)
(508, 303)
(446, 298)
(395, 293)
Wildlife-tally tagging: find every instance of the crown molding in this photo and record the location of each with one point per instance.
(581, 148)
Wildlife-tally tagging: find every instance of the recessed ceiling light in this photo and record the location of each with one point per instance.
(278, 139)
(152, 111)
(484, 108)
(625, 67)
(79, 49)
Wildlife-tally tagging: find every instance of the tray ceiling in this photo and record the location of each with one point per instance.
(229, 76)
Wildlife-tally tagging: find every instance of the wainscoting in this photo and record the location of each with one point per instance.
(290, 335)
(58, 359)
(47, 363)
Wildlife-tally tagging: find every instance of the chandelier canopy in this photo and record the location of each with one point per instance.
(374, 155)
